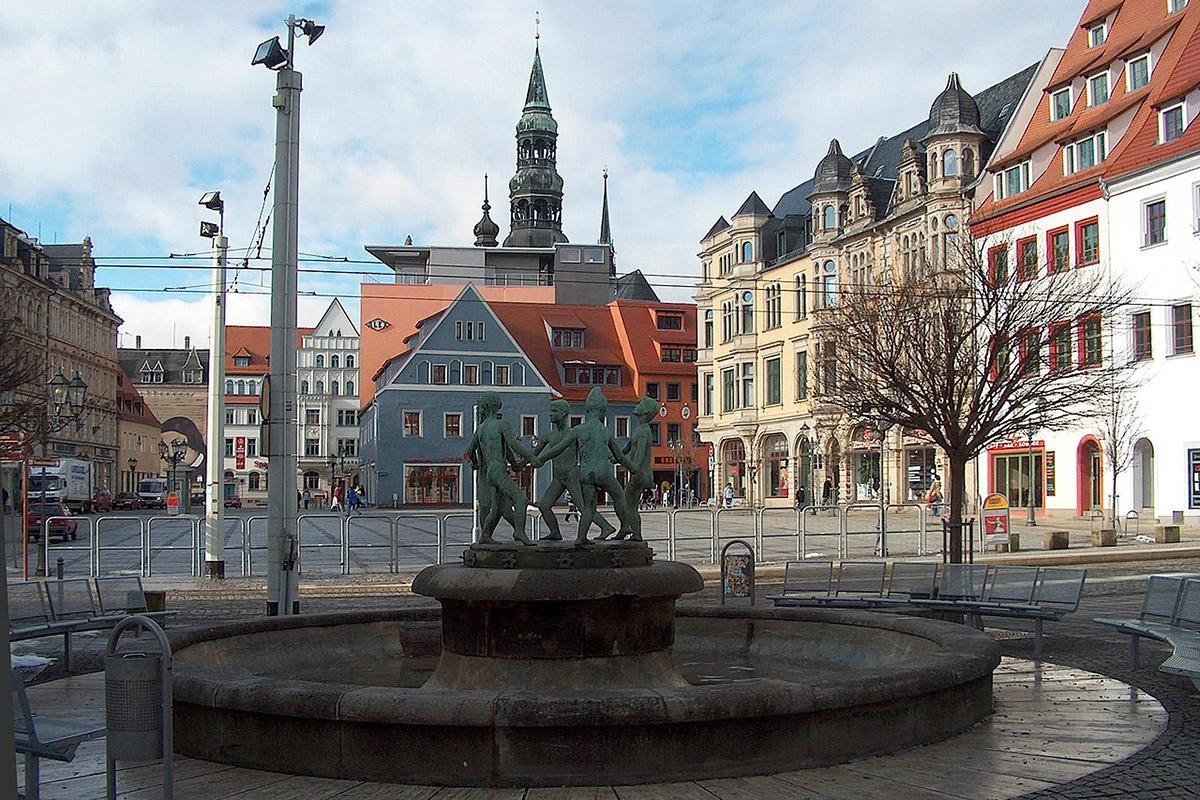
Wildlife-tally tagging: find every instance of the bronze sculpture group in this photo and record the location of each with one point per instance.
(582, 459)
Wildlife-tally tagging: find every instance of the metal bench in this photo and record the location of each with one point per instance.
(118, 596)
(1184, 636)
(1058, 593)
(31, 616)
(1157, 613)
(804, 582)
(907, 581)
(40, 737)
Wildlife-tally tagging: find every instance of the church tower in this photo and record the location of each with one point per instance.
(535, 191)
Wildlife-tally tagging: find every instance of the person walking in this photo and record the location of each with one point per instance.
(933, 498)
(307, 497)
(335, 503)
(352, 502)
(729, 495)
(827, 492)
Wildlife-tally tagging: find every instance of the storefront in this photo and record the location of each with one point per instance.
(920, 463)
(864, 454)
(432, 484)
(775, 456)
(733, 456)
(1017, 470)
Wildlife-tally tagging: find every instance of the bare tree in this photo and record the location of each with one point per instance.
(1119, 420)
(22, 367)
(969, 354)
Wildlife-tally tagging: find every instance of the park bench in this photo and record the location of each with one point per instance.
(1184, 636)
(857, 584)
(1057, 593)
(803, 582)
(41, 737)
(1156, 616)
(907, 581)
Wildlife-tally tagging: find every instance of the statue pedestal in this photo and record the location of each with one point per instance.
(557, 616)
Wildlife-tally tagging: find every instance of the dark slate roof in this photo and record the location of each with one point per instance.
(173, 361)
(833, 171)
(996, 105)
(753, 206)
(634, 286)
(954, 110)
(718, 226)
(68, 257)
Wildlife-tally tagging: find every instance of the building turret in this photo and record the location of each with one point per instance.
(486, 230)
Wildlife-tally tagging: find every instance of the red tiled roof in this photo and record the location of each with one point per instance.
(253, 341)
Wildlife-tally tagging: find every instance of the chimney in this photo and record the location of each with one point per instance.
(187, 343)
(137, 343)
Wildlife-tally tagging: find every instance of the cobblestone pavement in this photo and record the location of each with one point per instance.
(1168, 768)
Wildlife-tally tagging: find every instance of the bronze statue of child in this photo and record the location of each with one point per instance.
(565, 477)
(492, 448)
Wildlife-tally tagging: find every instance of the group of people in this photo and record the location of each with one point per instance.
(582, 458)
(352, 503)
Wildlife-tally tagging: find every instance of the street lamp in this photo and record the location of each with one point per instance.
(676, 448)
(133, 474)
(65, 407)
(1030, 520)
(280, 424)
(214, 518)
(173, 455)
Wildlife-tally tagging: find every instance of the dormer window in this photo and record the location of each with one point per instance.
(1137, 72)
(567, 338)
(1060, 104)
(1098, 89)
(669, 322)
(1176, 5)
(243, 361)
(1171, 123)
(1097, 34)
(1085, 153)
(1013, 180)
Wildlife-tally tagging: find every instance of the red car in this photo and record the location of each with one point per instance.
(102, 501)
(62, 528)
(127, 501)
(233, 502)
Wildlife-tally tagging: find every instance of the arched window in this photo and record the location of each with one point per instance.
(968, 163)
(747, 252)
(349, 362)
(228, 474)
(253, 481)
(349, 388)
(241, 387)
(829, 221)
(303, 387)
(228, 387)
(252, 387)
(733, 453)
(775, 451)
(949, 162)
(334, 361)
(333, 388)
(320, 387)
(320, 360)
(933, 165)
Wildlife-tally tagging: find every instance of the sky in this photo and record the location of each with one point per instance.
(122, 113)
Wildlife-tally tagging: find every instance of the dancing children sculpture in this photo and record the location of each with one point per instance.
(641, 473)
(492, 448)
(566, 476)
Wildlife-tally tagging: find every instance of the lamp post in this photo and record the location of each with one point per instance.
(65, 406)
(280, 424)
(214, 518)
(1029, 519)
(173, 455)
(676, 448)
(133, 474)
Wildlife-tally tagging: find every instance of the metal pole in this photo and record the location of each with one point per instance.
(214, 520)
(1030, 521)
(282, 583)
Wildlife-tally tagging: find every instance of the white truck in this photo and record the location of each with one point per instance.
(70, 481)
(153, 492)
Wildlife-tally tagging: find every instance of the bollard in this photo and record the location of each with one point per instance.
(60, 568)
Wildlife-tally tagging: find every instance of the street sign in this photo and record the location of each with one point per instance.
(37, 461)
(996, 521)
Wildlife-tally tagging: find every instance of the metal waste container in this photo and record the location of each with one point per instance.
(133, 706)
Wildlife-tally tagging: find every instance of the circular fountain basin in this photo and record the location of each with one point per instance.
(348, 695)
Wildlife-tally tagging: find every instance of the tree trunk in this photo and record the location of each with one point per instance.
(957, 496)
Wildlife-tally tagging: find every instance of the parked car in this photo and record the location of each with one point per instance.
(127, 501)
(102, 501)
(197, 498)
(233, 502)
(62, 528)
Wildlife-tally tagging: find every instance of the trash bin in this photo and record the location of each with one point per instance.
(133, 706)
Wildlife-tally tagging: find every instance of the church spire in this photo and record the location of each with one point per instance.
(606, 230)
(535, 191)
(486, 230)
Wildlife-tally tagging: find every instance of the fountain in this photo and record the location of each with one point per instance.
(568, 663)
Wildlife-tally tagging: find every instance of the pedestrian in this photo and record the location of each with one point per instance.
(335, 503)
(729, 495)
(933, 498)
(352, 501)
(827, 492)
(307, 497)
(801, 493)
(6, 499)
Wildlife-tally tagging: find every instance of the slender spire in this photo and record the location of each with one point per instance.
(486, 230)
(605, 227)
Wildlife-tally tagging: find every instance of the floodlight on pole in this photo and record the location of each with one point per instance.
(214, 516)
(281, 422)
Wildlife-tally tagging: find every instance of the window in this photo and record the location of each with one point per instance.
(320, 361)
(708, 394)
(1060, 104)
(244, 361)
(229, 448)
(347, 416)
(1000, 357)
(570, 255)
(312, 448)
(1090, 352)
(439, 375)
(695, 387)
(347, 447)
(949, 163)
(669, 322)
(334, 362)
(254, 481)
(412, 423)
(829, 221)
(1087, 241)
(1085, 153)
(251, 447)
(708, 328)
(1013, 180)
(1143, 345)
(349, 388)
(1027, 259)
(728, 390)
(1098, 89)
(652, 390)
(470, 374)
(303, 387)
(1097, 34)
(674, 394)
(747, 252)
(1172, 7)
(747, 385)
(1030, 343)
(578, 375)
(998, 265)
(1058, 250)
(333, 388)
(747, 316)
(452, 425)
(251, 416)
(1137, 72)
(828, 355)
(774, 294)
(1154, 222)
(349, 362)
(1060, 347)
(502, 374)
(728, 320)
(320, 387)
(1181, 329)
(622, 427)
(801, 296)
(673, 432)
(801, 374)
(829, 285)
(773, 394)
(655, 434)
(567, 338)
(229, 416)
(312, 416)
(1170, 123)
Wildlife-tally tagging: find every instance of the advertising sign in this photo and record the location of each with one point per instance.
(996, 521)
(239, 452)
(173, 504)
